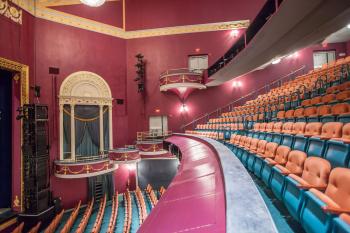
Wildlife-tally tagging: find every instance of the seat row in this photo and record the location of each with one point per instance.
(114, 214)
(98, 222)
(327, 140)
(128, 212)
(141, 204)
(313, 192)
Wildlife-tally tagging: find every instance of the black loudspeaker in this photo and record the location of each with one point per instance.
(120, 101)
(36, 160)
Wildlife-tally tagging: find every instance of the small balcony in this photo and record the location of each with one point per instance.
(181, 81)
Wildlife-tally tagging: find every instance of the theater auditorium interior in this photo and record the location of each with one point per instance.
(159, 116)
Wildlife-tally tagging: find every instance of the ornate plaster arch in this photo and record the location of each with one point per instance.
(84, 87)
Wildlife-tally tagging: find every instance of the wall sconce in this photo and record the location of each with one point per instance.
(234, 33)
(183, 108)
(236, 84)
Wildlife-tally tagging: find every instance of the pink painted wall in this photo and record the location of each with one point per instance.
(109, 13)
(160, 13)
(348, 48)
(16, 44)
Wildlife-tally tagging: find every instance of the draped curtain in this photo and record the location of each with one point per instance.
(87, 130)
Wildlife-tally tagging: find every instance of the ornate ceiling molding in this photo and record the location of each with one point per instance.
(50, 3)
(49, 14)
(11, 11)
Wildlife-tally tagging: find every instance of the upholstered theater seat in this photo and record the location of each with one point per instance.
(270, 152)
(339, 112)
(281, 158)
(301, 139)
(341, 224)
(249, 161)
(315, 175)
(269, 131)
(287, 130)
(294, 165)
(277, 130)
(317, 145)
(289, 116)
(337, 150)
(320, 208)
(322, 110)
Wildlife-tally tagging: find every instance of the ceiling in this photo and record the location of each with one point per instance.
(50, 3)
(342, 35)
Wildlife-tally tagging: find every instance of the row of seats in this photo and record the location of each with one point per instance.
(327, 140)
(114, 214)
(68, 225)
(128, 212)
(54, 223)
(98, 222)
(84, 221)
(141, 204)
(313, 192)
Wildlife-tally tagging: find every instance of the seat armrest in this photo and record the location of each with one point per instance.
(335, 210)
(270, 161)
(305, 186)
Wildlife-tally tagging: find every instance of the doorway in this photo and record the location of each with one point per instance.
(5, 139)
(158, 125)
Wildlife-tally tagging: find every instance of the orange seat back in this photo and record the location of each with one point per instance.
(332, 130)
(338, 188)
(299, 127)
(340, 109)
(310, 111)
(270, 150)
(282, 153)
(313, 129)
(287, 127)
(323, 110)
(262, 146)
(277, 127)
(316, 171)
(299, 112)
(254, 144)
(295, 162)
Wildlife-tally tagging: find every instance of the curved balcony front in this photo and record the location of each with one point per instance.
(74, 170)
(124, 156)
(181, 81)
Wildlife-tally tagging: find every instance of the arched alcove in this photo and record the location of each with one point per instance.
(85, 104)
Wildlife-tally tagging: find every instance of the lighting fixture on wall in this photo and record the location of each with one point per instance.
(93, 3)
(234, 33)
(293, 55)
(237, 84)
(276, 61)
(348, 26)
(183, 108)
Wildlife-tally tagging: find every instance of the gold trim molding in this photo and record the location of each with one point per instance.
(21, 73)
(11, 11)
(91, 25)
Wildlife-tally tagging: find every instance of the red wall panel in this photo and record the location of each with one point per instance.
(160, 13)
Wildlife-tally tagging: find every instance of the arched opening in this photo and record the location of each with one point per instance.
(85, 104)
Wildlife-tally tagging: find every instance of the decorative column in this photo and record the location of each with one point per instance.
(61, 132)
(110, 127)
(72, 132)
(101, 130)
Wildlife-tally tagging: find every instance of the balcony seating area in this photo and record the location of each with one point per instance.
(296, 139)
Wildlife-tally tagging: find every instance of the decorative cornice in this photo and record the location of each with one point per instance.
(63, 2)
(166, 31)
(11, 11)
(49, 14)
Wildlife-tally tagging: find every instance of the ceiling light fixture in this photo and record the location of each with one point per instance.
(93, 3)
(276, 61)
(348, 26)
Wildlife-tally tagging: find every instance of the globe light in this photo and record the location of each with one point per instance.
(93, 3)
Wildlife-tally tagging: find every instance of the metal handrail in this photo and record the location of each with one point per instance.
(179, 71)
(278, 81)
